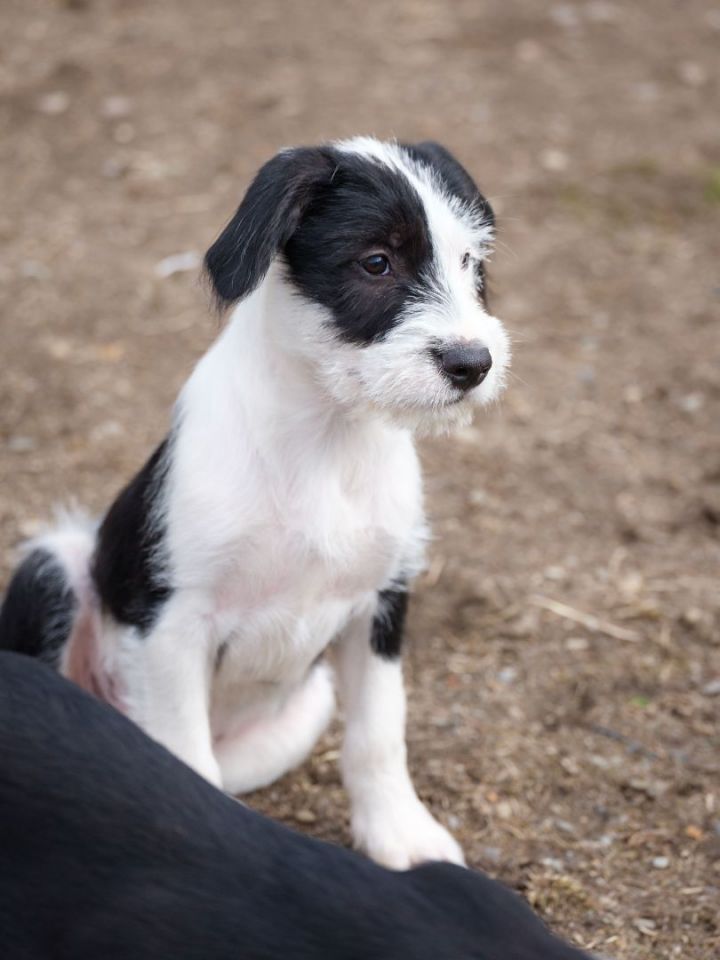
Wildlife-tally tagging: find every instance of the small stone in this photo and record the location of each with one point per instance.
(59, 347)
(53, 104)
(109, 352)
(570, 766)
(305, 816)
(651, 788)
(507, 675)
(34, 270)
(577, 644)
(490, 855)
(633, 393)
(564, 15)
(528, 51)
(554, 160)
(116, 107)
(712, 689)
(691, 402)
(693, 74)
(645, 925)
(597, 760)
(107, 430)
(20, 444)
(661, 863)
(693, 616)
(114, 167)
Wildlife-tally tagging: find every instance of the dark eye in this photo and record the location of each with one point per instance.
(377, 265)
(465, 260)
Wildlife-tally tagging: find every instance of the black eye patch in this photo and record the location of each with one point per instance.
(365, 205)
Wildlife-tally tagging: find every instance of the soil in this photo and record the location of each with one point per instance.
(564, 651)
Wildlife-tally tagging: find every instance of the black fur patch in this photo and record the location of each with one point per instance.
(265, 220)
(387, 629)
(111, 848)
(37, 614)
(126, 566)
(367, 208)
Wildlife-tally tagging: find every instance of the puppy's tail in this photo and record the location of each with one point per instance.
(49, 590)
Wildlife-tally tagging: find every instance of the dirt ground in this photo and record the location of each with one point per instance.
(564, 660)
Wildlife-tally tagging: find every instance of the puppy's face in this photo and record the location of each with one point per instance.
(381, 251)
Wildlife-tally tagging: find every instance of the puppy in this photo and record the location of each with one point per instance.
(112, 848)
(281, 518)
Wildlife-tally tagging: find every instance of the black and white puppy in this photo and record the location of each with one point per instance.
(282, 517)
(111, 848)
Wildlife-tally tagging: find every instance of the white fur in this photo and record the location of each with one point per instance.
(293, 496)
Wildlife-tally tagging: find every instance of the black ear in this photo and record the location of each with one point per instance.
(268, 216)
(455, 177)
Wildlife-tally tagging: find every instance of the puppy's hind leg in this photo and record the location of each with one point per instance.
(50, 591)
(259, 755)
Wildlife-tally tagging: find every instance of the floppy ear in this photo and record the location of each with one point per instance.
(452, 173)
(268, 216)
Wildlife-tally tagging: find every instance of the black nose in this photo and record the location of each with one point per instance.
(466, 364)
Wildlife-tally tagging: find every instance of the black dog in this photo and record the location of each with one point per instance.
(110, 847)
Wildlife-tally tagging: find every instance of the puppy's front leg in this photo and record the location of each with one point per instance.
(389, 822)
(165, 676)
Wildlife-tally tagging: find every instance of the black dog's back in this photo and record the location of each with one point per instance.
(110, 847)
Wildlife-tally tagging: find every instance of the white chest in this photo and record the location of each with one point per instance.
(290, 590)
(285, 548)
(291, 582)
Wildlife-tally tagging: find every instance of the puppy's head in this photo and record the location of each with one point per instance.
(380, 275)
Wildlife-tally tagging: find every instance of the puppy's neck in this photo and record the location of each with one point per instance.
(258, 377)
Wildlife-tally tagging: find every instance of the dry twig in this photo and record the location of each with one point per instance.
(587, 620)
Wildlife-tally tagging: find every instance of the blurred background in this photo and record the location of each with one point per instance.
(564, 658)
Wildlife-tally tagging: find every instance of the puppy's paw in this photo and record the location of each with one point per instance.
(403, 836)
